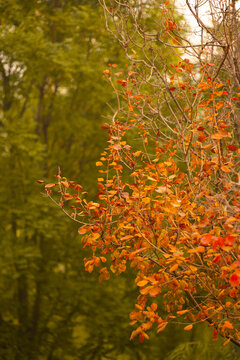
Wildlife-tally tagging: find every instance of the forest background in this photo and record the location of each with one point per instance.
(54, 99)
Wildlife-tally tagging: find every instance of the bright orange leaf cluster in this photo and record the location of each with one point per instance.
(169, 199)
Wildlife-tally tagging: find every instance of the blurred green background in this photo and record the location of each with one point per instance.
(53, 101)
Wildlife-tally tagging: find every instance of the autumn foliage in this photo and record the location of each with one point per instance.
(169, 191)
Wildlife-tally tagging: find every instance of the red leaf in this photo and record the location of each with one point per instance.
(202, 137)
(105, 126)
(40, 181)
(233, 293)
(234, 279)
(232, 147)
(122, 82)
(217, 258)
(141, 338)
(214, 334)
(229, 240)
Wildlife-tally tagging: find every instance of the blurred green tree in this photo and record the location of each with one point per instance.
(52, 100)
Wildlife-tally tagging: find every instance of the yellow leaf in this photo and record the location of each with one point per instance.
(82, 230)
(137, 153)
(146, 200)
(95, 236)
(99, 163)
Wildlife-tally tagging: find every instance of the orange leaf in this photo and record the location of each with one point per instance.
(146, 200)
(99, 163)
(146, 290)
(181, 312)
(137, 153)
(228, 325)
(188, 327)
(161, 327)
(161, 189)
(117, 147)
(154, 292)
(226, 342)
(173, 268)
(49, 186)
(199, 249)
(118, 74)
(95, 236)
(154, 306)
(78, 187)
(225, 169)
(206, 240)
(217, 136)
(142, 283)
(65, 184)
